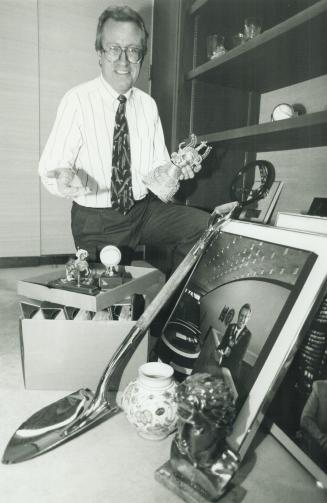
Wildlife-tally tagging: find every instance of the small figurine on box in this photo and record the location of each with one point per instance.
(78, 276)
(201, 464)
(78, 268)
(70, 270)
(81, 263)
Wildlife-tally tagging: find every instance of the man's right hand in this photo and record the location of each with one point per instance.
(68, 184)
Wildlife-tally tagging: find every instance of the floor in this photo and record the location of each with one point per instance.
(270, 474)
(10, 362)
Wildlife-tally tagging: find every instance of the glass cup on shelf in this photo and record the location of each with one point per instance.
(237, 39)
(252, 27)
(215, 46)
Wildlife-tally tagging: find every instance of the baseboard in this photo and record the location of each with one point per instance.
(9, 262)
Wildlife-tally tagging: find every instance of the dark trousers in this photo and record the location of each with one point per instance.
(149, 222)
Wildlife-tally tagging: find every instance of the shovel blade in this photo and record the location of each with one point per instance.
(49, 427)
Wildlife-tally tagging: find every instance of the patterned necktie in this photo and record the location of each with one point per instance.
(121, 178)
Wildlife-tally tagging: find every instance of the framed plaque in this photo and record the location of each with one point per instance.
(243, 313)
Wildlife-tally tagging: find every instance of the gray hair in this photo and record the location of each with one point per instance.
(117, 13)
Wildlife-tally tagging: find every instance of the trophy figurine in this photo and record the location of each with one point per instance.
(201, 464)
(110, 257)
(82, 270)
(164, 180)
(79, 277)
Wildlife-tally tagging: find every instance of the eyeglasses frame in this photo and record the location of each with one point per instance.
(123, 49)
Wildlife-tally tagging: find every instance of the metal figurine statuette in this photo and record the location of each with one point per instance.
(164, 180)
(78, 269)
(201, 465)
(79, 277)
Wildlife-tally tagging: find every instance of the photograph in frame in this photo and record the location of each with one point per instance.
(269, 278)
(298, 413)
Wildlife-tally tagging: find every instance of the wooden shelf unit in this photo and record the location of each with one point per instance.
(269, 61)
(220, 100)
(284, 54)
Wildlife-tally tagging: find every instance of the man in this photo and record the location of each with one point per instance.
(224, 357)
(107, 137)
(234, 343)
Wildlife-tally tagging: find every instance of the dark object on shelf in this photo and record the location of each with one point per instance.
(252, 181)
(318, 207)
(237, 39)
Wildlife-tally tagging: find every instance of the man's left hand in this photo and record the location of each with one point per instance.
(189, 170)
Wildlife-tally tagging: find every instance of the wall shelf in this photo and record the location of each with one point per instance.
(290, 52)
(308, 130)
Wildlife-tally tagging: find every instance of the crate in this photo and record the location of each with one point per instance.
(66, 337)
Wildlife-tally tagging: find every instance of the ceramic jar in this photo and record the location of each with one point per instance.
(149, 401)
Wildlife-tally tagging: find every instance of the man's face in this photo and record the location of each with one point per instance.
(120, 74)
(243, 317)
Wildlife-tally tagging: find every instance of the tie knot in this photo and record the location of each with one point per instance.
(122, 98)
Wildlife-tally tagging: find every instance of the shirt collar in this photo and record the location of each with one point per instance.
(114, 95)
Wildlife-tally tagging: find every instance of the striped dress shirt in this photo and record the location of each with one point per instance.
(82, 135)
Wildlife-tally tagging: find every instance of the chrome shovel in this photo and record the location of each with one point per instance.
(78, 412)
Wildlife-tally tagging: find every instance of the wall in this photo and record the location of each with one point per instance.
(47, 46)
(19, 126)
(303, 171)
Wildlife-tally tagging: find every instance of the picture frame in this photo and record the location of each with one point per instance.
(297, 425)
(318, 207)
(260, 211)
(281, 274)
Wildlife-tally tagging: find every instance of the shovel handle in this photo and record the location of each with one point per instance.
(111, 376)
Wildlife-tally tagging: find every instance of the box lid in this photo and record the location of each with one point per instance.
(144, 280)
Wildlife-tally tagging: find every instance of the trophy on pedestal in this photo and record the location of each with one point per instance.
(110, 257)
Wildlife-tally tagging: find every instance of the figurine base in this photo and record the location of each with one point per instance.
(72, 286)
(108, 282)
(166, 476)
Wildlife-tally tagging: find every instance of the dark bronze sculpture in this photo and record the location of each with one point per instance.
(201, 464)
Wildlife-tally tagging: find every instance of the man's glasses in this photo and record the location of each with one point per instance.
(114, 52)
